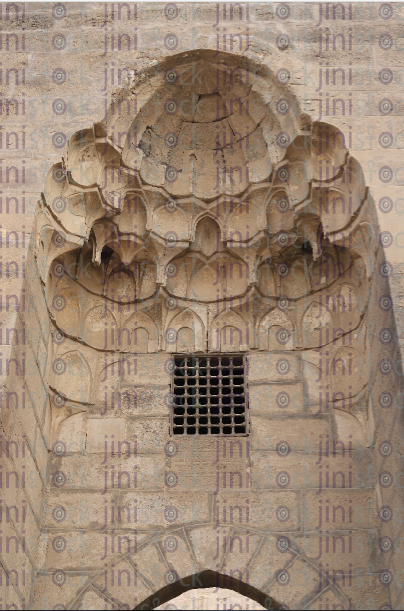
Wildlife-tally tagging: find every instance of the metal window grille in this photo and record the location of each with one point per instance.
(209, 395)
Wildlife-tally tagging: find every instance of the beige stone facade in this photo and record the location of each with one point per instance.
(201, 312)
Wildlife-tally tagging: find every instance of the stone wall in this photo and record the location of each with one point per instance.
(200, 179)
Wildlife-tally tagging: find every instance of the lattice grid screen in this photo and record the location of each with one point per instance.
(209, 394)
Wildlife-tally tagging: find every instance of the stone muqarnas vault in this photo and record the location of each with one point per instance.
(215, 243)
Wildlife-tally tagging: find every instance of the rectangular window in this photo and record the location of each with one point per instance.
(209, 395)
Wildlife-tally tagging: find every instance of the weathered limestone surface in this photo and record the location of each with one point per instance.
(191, 179)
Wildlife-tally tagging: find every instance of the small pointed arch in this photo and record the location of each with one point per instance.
(229, 333)
(139, 334)
(85, 204)
(112, 177)
(178, 273)
(134, 214)
(52, 243)
(204, 282)
(121, 286)
(324, 270)
(54, 182)
(66, 310)
(145, 274)
(358, 244)
(189, 332)
(71, 376)
(207, 235)
(82, 162)
(279, 210)
(248, 219)
(362, 243)
(145, 251)
(104, 233)
(236, 274)
(128, 243)
(314, 150)
(71, 205)
(231, 339)
(275, 331)
(294, 278)
(110, 263)
(141, 340)
(214, 214)
(317, 325)
(334, 205)
(91, 276)
(185, 340)
(169, 214)
(267, 281)
(99, 328)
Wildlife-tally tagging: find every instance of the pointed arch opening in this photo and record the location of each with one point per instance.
(204, 580)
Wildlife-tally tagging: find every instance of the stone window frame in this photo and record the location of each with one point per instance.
(221, 425)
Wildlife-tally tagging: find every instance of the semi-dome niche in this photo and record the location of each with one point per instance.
(209, 129)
